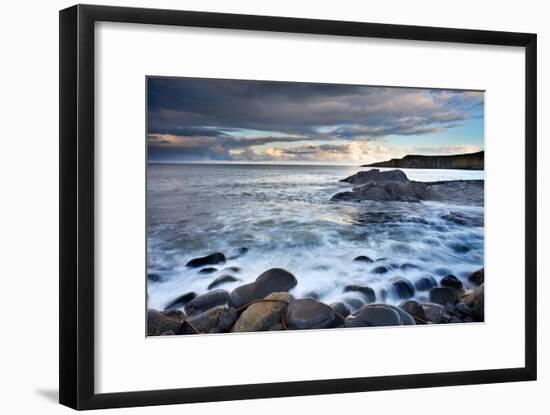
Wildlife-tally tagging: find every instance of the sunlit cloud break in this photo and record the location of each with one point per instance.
(210, 120)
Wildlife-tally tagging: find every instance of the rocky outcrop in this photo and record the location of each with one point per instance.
(212, 259)
(470, 161)
(394, 186)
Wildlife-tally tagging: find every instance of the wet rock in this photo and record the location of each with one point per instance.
(381, 259)
(206, 301)
(222, 280)
(408, 266)
(402, 287)
(312, 294)
(354, 304)
(443, 295)
(263, 315)
(208, 270)
(341, 309)
(239, 252)
(478, 303)
(363, 258)
(157, 323)
(174, 315)
(308, 313)
(451, 281)
(435, 313)
(181, 300)
(406, 318)
(414, 308)
(272, 280)
(464, 309)
(477, 277)
(375, 175)
(374, 315)
(459, 248)
(215, 320)
(386, 191)
(212, 259)
(367, 292)
(380, 270)
(425, 283)
(153, 277)
(236, 270)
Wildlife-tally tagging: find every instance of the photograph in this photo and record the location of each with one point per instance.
(288, 206)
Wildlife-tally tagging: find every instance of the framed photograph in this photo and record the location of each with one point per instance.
(258, 206)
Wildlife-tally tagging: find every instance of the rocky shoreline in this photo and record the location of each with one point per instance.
(266, 304)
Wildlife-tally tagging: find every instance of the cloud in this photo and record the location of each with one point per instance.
(192, 118)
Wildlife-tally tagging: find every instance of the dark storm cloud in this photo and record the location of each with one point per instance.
(205, 116)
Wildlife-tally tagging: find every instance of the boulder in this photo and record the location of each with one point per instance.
(153, 277)
(443, 295)
(478, 303)
(222, 280)
(477, 277)
(381, 269)
(402, 287)
(408, 266)
(435, 313)
(158, 323)
(263, 315)
(451, 281)
(206, 301)
(180, 301)
(215, 320)
(174, 315)
(367, 292)
(307, 313)
(341, 309)
(387, 191)
(374, 315)
(414, 308)
(375, 175)
(425, 283)
(363, 258)
(272, 280)
(212, 259)
(239, 252)
(208, 270)
(406, 318)
(354, 304)
(236, 270)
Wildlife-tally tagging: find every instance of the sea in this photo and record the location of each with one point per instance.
(284, 216)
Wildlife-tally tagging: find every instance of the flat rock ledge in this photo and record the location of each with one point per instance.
(394, 186)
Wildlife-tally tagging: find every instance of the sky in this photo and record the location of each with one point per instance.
(241, 121)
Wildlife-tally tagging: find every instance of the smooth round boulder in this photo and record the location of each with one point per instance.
(263, 315)
(180, 301)
(479, 303)
(153, 277)
(341, 309)
(406, 318)
(215, 320)
(232, 269)
(367, 292)
(451, 281)
(408, 266)
(425, 283)
(272, 280)
(158, 323)
(477, 277)
(374, 315)
(443, 295)
(363, 258)
(307, 313)
(208, 270)
(435, 313)
(354, 304)
(206, 301)
(212, 259)
(223, 279)
(402, 287)
(380, 270)
(414, 308)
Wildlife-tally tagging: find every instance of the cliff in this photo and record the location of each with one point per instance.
(472, 161)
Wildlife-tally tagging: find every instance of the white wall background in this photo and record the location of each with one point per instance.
(29, 205)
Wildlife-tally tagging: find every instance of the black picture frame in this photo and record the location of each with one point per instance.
(76, 279)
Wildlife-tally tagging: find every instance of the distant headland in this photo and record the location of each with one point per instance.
(471, 161)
